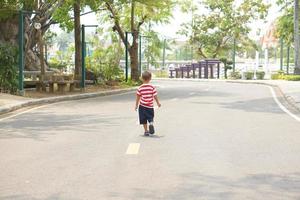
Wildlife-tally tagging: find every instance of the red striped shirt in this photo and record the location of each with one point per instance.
(147, 93)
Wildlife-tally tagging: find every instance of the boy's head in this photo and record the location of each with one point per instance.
(146, 76)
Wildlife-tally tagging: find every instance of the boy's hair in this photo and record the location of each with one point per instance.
(146, 76)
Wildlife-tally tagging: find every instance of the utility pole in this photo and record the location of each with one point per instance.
(281, 54)
(21, 52)
(233, 57)
(140, 55)
(296, 37)
(164, 54)
(126, 56)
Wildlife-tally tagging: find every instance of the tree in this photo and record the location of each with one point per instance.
(287, 29)
(223, 21)
(129, 16)
(77, 37)
(9, 25)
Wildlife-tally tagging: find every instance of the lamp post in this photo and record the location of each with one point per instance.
(21, 52)
(21, 49)
(164, 54)
(281, 54)
(83, 53)
(126, 56)
(233, 57)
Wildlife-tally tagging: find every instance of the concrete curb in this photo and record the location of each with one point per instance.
(42, 101)
(289, 99)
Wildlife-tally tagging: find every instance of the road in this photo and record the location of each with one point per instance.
(214, 141)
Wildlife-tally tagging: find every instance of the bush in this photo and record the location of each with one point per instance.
(249, 75)
(161, 74)
(292, 77)
(260, 75)
(281, 76)
(8, 68)
(235, 75)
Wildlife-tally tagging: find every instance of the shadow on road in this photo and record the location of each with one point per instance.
(42, 124)
(263, 105)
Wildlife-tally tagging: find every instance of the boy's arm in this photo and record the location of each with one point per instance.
(157, 101)
(137, 101)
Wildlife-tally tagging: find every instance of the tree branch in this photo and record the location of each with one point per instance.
(201, 52)
(117, 26)
(133, 28)
(142, 22)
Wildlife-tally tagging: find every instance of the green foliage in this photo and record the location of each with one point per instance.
(260, 75)
(249, 75)
(8, 67)
(62, 59)
(153, 47)
(281, 76)
(292, 77)
(161, 74)
(105, 58)
(285, 26)
(8, 8)
(235, 75)
(278, 75)
(214, 31)
(132, 83)
(227, 65)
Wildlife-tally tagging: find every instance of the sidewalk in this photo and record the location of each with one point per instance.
(9, 103)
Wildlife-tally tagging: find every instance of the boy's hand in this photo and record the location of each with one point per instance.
(136, 108)
(158, 104)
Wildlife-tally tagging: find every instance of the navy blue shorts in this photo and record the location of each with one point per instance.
(146, 114)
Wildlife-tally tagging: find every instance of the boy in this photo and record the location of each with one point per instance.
(145, 96)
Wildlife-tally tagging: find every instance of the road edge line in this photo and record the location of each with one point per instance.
(282, 107)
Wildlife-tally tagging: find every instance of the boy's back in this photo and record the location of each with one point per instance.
(147, 92)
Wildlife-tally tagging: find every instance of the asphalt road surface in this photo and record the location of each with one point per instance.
(214, 141)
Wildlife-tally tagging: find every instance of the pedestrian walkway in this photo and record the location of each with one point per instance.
(7, 100)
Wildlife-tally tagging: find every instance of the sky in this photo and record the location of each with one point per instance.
(179, 17)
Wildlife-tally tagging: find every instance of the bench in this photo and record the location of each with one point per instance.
(207, 66)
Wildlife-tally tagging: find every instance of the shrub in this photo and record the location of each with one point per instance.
(281, 76)
(260, 75)
(161, 74)
(249, 75)
(8, 68)
(235, 75)
(292, 77)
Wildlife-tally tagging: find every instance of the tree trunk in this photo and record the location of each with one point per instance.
(133, 53)
(42, 60)
(9, 33)
(296, 37)
(77, 30)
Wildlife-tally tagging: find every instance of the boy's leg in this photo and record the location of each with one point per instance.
(151, 127)
(150, 120)
(143, 120)
(146, 129)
